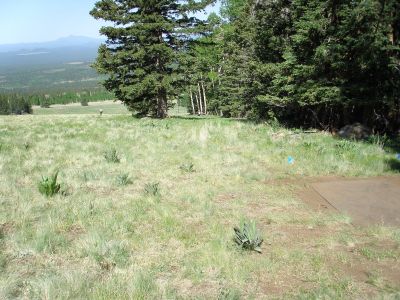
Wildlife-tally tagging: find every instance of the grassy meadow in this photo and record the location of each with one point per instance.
(157, 221)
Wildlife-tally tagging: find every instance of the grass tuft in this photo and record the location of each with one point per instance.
(123, 179)
(111, 156)
(152, 189)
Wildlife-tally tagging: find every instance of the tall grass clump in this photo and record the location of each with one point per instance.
(123, 179)
(111, 156)
(49, 186)
(152, 189)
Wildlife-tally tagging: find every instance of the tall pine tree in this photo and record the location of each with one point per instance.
(143, 47)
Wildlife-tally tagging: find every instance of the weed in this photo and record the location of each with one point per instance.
(187, 167)
(27, 145)
(248, 237)
(111, 156)
(152, 189)
(309, 145)
(123, 179)
(48, 186)
(229, 294)
(378, 140)
(345, 146)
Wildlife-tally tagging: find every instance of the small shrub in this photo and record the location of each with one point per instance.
(84, 102)
(111, 156)
(45, 103)
(123, 179)
(248, 237)
(48, 186)
(187, 167)
(152, 189)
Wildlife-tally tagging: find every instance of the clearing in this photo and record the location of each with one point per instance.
(106, 238)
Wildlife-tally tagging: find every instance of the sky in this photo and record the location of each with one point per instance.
(28, 21)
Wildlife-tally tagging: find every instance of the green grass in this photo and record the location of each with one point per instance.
(108, 107)
(116, 241)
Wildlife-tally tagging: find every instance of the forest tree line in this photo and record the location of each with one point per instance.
(307, 63)
(21, 103)
(303, 63)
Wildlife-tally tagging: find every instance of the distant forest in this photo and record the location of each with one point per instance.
(313, 63)
(321, 64)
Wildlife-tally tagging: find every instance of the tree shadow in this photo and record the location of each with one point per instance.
(393, 145)
(393, 164)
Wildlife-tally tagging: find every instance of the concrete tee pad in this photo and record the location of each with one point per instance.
(367, 201)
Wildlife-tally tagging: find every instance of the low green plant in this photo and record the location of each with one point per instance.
(27, 145)
(111, 156)
(123, 179)
(152, 189)
(248, 237)
(345, 146)
(187, 167)
(48, 186)
(84, 102)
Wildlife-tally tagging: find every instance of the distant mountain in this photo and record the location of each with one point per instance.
(63, 64)
(70, 41)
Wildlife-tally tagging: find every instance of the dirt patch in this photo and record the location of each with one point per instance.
(6, 228)
(313, 199)
(74, 231)
(367, 201)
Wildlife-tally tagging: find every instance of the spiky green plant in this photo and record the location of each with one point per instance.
(152, 189)
(187, 167)
(48, 186)
(248, 236)
(123, 179)
(111, 156)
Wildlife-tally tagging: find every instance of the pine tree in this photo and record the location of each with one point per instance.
(314, 62)
(143, 48)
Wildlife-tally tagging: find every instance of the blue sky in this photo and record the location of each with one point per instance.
(26, 21)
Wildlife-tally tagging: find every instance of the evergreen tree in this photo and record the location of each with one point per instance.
(313, 62)
(4, 105)
(143, 48)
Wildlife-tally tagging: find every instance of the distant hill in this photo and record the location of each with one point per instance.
(61, 64)
(70, 41)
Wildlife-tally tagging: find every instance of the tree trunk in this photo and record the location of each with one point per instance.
(204, 97)
(198, 104)
(191, 99)
(200, 99)
(162, 109)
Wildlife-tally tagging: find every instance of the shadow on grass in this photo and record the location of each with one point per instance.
(394, 164)
(213, 117)
(393, 145)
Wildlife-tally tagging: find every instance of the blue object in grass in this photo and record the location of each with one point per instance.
(290, 160)
(398, 156)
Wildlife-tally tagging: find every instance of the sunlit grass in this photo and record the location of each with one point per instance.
(167, 232)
